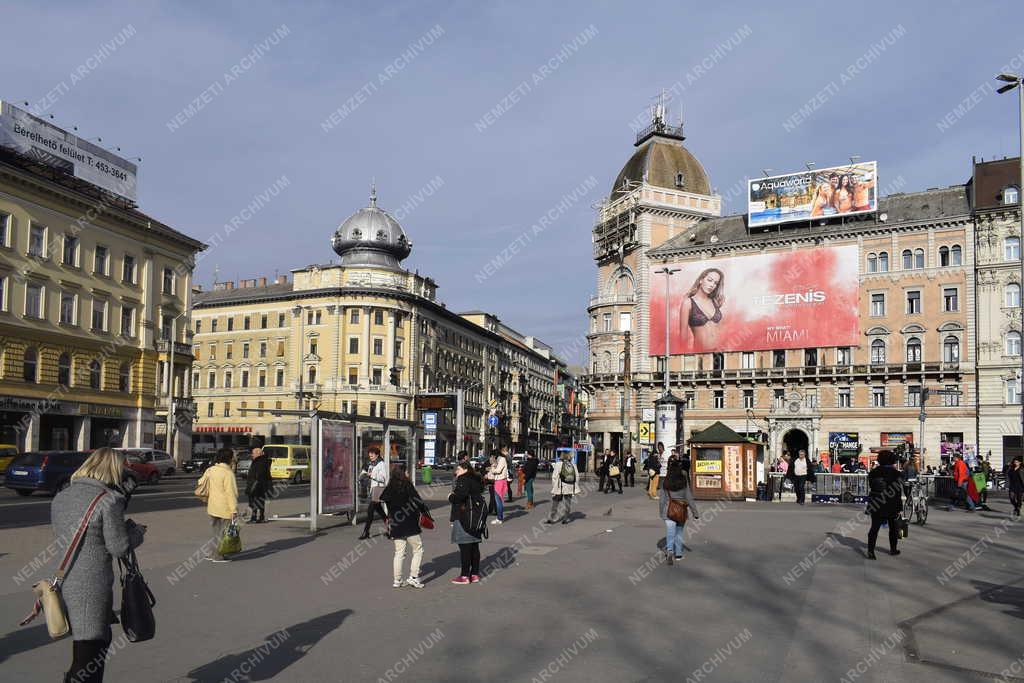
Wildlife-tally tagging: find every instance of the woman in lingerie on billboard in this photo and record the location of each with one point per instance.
(842, 200)
(700, 313)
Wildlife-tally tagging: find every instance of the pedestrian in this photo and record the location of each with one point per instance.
(377, 472)
(564, 485)
(1015, 483)
(520, 480)
(88, 585)
(221, 492)
(257, 485)
(468, 510)
(653, 467)
(675, 487)
(909, 476)
(629, 469)
(508, 472)
(985, 467)
(798, 472)
(613, 468)
(404, 509)
(961, 477)
(602, 469)
(885, 501)
(529, 474)
(499, 475)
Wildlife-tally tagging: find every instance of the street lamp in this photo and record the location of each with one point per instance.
(668, 274)
(1017, 81)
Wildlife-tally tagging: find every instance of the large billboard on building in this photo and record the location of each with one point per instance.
(811, 195)
(53, 146)
(787, 300)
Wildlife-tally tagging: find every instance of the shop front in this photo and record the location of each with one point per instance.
(47, 424)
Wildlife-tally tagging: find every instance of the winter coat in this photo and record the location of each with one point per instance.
(683, 494)
(404, 508)
(885, 491)
(88, 587)
(258, 482)
(530, 468)
(1015, 479)
(561, 488)
(223, 491)
(466, 488)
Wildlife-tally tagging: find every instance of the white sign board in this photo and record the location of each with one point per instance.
(430, 421)
(647, 414)
(428, 452)
(53, 146)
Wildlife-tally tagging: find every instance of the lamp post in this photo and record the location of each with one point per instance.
(170, 387)
(668, 274)
(1016, 81)
(301, 394)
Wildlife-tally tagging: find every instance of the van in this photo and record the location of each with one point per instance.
(288, 461)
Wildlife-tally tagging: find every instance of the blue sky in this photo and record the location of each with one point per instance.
(416, 126)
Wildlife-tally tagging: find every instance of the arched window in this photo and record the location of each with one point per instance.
(877, 352)
(64, 370)
(919, 258)
(955, 255)
(1012, 297)
(1013, 343)
(95, 374)
(872, 262)
(943, 256)
(913, 350)
(124, 378)
(30, 368)
(883, 262)
(608, 361)
(908, 259)
(951, 349)
(312, 374)
(622, 362)
(1011, 248)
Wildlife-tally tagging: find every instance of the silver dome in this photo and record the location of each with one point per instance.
(371, 237)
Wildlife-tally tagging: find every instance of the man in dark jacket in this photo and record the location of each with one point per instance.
(885, 501)
(629, 469)
(257, 485)
(529, 474)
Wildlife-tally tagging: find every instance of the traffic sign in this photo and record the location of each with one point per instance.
(646, 430)
(430, 421)
(492, 421)
(428, 452)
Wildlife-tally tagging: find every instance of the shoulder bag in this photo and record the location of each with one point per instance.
(203, 487)
(613, 471)
(137, 601)
(49, 600)
(677, 509)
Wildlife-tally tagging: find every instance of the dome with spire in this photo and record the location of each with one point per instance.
(371, 237)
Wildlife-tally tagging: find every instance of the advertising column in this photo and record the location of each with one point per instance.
(668, 426)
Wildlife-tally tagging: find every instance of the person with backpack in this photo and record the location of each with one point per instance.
(885, 501)
(469, 521)
(529, 474)
(564, 485)
(404, 509)
(676, 487)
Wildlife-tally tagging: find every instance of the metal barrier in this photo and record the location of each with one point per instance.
(840, 488)
(942, 488)
(777, 483)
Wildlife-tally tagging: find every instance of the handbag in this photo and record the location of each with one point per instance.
(137, 601)
(231, 542)
(613, 471)
(677, 510)
(49, 600)
(203, 488)
(426, 521)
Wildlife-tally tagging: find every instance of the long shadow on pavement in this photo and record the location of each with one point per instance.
(23, 640)
(277, 652)
(272, 547)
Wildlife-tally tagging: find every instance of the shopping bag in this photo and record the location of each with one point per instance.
(231, 541)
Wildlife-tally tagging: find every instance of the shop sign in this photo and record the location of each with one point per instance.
(709, 467)
(709, 482)
(894, 439)
(100, 411)
(34, 405)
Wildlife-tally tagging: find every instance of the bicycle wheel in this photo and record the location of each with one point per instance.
(921, 510)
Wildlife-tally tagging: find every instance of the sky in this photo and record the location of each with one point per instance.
(477, 120)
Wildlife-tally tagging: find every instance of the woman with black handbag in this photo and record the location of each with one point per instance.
(675, 504)
(88, 586)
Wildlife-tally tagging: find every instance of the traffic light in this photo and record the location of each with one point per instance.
(394, 379)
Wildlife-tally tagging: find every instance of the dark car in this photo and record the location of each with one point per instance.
(198, 463)
(48, 471)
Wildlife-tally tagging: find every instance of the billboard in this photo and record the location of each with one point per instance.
(844, 441)
(53, 146)
(784, 300)
(809, 195)
(337, 466)
(894, 439)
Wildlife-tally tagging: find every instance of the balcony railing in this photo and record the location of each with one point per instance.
(180, 349)
(625, 300)
(800, 373)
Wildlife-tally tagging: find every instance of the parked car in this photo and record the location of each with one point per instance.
(141, 471)
(162, 460)
(48, 471)
(242, 465)
(198, 463)
(7, 454)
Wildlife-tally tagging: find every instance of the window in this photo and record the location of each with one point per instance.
(99, 260)
(312, 347)
(195, 381)
(36, 240)
(373, 409)
(353, 344)
(718, 361)
(950, 299)
(844, 397)
(280, 348)
(64, 370)
(68, 303)
(245, 323)
(209, 410)
(353, 315)
(951, 400)
(69, 255)
(262, 381)
(245, 379)
(810, 357)
(378, 347)
(227, 409)
(690, 400)
(748, 398)
(166, 323)
(1011, 195)
(779, 397)
(1013, 343)
(625, 322)
(279, 379)
(719, 398)
(318, 314)
(843, 356)
(309, 317)
(919, 258)
(779, 359)
(607, 322)
(1012, 296)
(748, 360)
(30, 365)
(353, 376)
(878, 304)
(99, 315)
(231, 323)
(312, 375)
(95, 374)
(3, 292)
(168, 281)
(211, 380)
(227, 379)
(280, 319)
(5, 229)
(955, 255)
(943, 256)
(878, 397)
(213, 325)
(908, 259)
(872, 262)
(199, 326)
(951, 350)
(914, 395)
(877, 352)
(33, 300)
(1012, 391)
(376, 376)
(128, 269)
(213, 352)
(913, 303)
(124, 378)
(245, 349)
(1011, 249)
(398, 348)
(263, 349)
(229, 351)
(263, 321)
(913, 350)
(378, 316)
(259, 409)
(883, 262)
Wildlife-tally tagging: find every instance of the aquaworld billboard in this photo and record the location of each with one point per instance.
(805, 298)
(813, 195)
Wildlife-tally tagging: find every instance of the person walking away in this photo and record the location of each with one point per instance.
(404, 509)
(1015, 483)
(221, 492)
(88, 585)
(909, 477)
(564, 485)
(675, 487)
(653, 467)
(377, 471)
(961, 476)
(467, 504)
(798, 472)
(499, 474)
(258, 485)
(885, 501)
(986, 468)
(614, 471)
(508, 473)
(629, 469)
(602, 470)
(529, 474)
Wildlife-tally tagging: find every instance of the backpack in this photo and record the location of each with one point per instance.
(477, 513)
(567, 474)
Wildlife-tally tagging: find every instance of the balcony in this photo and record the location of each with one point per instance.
(314, 388)
(625, 300)
(180, 349)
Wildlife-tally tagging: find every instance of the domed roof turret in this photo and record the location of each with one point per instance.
(371, 237)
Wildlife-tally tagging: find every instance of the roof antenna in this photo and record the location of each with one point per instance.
(373, 192)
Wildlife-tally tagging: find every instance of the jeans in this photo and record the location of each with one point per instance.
(1015, 500)
(500, 488)
(563, 503)
(630, 477)
(88, 659)
(612, 481)
(529, 491)
(876, 524)
(469, 556)
(798, 484)
(416, 542)
(674, 537)
(968, 503)
(220, 525)
(375, 506)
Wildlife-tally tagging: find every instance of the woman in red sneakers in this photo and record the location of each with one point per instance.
(469, 517)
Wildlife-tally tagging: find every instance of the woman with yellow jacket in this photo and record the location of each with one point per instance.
(218, 487)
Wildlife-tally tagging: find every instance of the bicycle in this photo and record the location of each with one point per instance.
(918, 507)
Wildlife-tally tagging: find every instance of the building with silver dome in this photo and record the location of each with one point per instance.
(363, 336)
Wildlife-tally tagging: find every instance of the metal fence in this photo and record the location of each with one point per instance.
(840, 488)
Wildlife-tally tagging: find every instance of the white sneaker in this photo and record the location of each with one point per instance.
(414, 582)
(397, 583)
(495, 521)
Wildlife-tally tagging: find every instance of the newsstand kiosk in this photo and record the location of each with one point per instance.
(723, 464)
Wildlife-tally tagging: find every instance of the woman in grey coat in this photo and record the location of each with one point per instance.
(677, 487)
(88, 586)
